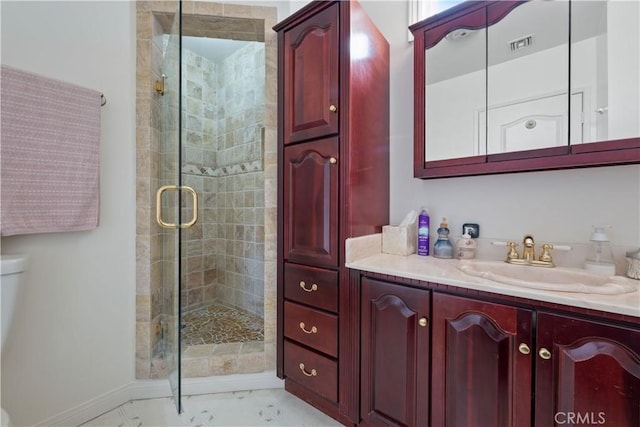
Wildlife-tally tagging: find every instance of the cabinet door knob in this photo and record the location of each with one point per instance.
(544, 353)
(313, 372)
(333, 108)
(303, 285)
(333, 160)
(423, 322)
(313, 330)
(524, 349)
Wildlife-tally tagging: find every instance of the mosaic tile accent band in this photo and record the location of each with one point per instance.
(240, 168)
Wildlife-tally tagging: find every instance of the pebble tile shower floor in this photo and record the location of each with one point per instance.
(217, 324)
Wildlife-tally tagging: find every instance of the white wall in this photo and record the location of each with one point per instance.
(73, 338)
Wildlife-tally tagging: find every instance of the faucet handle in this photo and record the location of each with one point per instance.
(545, 256)
(512, 254)
(561, 247)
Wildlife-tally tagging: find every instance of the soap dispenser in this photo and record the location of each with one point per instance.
(600, 257)
(466, 246)
(442, 248)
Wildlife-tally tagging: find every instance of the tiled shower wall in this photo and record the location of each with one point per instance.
(223, 106)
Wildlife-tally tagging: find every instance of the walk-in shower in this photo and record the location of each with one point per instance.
(222, 159)
(213, 129)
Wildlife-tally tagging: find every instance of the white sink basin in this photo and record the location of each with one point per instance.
(551, 279)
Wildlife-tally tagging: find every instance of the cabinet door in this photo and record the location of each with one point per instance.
(394, 354)
(481, 369)
(311, 203)
(311, 77)
(586, 373)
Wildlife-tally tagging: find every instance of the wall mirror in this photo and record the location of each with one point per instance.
(506, 86)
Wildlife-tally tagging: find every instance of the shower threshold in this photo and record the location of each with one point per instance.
(218, 340)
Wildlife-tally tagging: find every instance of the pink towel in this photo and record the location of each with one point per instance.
(49, 155)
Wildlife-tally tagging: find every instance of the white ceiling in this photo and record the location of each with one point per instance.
(212, 49)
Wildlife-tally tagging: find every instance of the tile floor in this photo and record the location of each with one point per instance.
(274, 407)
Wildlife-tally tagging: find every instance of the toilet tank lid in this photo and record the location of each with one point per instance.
(12, 264)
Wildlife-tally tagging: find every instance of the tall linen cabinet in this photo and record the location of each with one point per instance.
(333, 184)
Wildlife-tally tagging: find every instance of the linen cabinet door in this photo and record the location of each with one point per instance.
(394, 355)
(311, 203)
(481, 366)
(311, 77)
(587, 373)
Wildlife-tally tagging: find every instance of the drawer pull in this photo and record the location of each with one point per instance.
(313, 372)
(313, 330)
(303, 285)
(544, 353)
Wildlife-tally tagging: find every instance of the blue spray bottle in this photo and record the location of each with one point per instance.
(423, 232)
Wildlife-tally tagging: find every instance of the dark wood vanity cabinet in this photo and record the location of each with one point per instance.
(481, 363)
(586, 371)
(394, 355)
(490, 362)
(333, 183)
(311, 203)
(312, 100)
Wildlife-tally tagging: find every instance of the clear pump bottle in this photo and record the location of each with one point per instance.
(600, 257)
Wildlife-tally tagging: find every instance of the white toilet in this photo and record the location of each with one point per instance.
(11, 268)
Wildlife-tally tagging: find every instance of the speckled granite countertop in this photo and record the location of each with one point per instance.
(365, 254)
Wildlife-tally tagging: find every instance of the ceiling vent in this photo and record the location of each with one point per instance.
(521, 43)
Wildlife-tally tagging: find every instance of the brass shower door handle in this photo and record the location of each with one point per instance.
(159, 219)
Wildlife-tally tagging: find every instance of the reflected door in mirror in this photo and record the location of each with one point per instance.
(527, 77)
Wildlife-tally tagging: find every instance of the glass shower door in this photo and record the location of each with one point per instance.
(168, 200)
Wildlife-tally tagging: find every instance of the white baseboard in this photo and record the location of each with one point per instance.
(90, 409)
(151, 389)
(227, 383)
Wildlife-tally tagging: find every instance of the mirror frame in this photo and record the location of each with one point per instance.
(592, 154)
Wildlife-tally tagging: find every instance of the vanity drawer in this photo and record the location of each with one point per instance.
(311, 327)
(312, 286)
(312, 370)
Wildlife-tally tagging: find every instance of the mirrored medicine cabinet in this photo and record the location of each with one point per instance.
(509, 86)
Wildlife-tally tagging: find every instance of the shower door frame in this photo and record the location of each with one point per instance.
(149, 17)
(169, 206)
